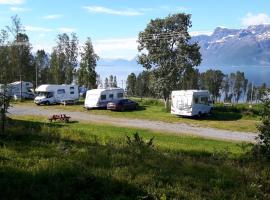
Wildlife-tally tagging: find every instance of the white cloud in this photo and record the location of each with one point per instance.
(19, 9)
(196, 33)
(11, 2)
(255, 19)
(181, 9)
(104, 10)
(66, 30)
(172, 9)
(116, 48)
(37, 29)
(55, 16)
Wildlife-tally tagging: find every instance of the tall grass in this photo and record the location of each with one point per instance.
(87, 161)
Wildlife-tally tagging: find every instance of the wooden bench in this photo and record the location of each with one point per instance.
(228, 104)
(61, 117)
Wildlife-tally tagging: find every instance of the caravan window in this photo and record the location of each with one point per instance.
(120, 95)
(49, 94)
(61, 91)
(111, 96)
(196, 100)
(204, 100)
(103, 97)
(72, 88)
(72, 92)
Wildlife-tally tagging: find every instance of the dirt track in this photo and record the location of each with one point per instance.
(177, 128)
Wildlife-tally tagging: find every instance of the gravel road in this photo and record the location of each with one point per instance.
(176, 128)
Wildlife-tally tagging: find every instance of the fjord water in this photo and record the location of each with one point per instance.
(255, 74)
(122, 68)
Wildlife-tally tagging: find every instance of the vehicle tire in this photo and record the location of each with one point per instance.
(122, 109)
(47, 103)
(199, 114)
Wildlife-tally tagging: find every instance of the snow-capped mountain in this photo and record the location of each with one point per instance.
(236, 47)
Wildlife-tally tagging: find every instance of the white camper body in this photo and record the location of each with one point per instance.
(190, 102)
(99, 98)
(55, 94)
(21, 89)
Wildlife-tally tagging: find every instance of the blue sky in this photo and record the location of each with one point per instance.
(113, 25)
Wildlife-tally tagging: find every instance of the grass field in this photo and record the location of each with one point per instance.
(235, 118)
(88, 161)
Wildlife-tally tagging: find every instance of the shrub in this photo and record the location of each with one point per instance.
(262, 148)
(138, 141)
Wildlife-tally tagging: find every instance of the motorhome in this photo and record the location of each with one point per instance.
(21, 90)
(190, 102)
(99, 98)
(56, 94)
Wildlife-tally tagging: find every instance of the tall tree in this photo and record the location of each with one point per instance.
(226, 87)
(87, 75)
(106, 83)
(5, 75)
(262, 91)
(249, 92)
(114, 82)
(99, 82)
(66, 54)
(166, 50)
(56, 68)
(239, 85)
(42, 67)
(190, 79)
(111, 81)
(21, 59)
(131, 84)
(142, 84)
(212, 81)
(26, 59)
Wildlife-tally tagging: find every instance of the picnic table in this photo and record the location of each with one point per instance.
(61, 117)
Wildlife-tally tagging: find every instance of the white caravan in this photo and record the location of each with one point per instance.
(55, 94)
(21, 89)
(99, 98)
(190, 102)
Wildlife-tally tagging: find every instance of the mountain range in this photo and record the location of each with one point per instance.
(236, 47)
(229, 50)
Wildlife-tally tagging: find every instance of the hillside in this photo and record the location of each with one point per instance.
(236, 47)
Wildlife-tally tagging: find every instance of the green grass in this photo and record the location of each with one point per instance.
(87, 161)
(236, 118)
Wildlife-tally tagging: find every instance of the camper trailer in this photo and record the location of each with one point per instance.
(56, 94)
(190, 102)
(21, 89)
(98, 98)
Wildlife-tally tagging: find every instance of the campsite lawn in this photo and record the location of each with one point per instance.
(40, 160)
(235, 118)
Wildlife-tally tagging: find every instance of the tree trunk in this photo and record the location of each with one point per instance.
(3, 121)
(166, 102)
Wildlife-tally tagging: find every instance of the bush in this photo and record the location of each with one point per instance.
(139, 142)
(262, 148)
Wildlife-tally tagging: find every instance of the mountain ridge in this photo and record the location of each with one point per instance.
(240, 47)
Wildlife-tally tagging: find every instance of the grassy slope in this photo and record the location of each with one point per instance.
(88, 161)
(239, 118)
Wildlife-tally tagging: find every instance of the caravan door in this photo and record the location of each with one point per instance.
(60, 95)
